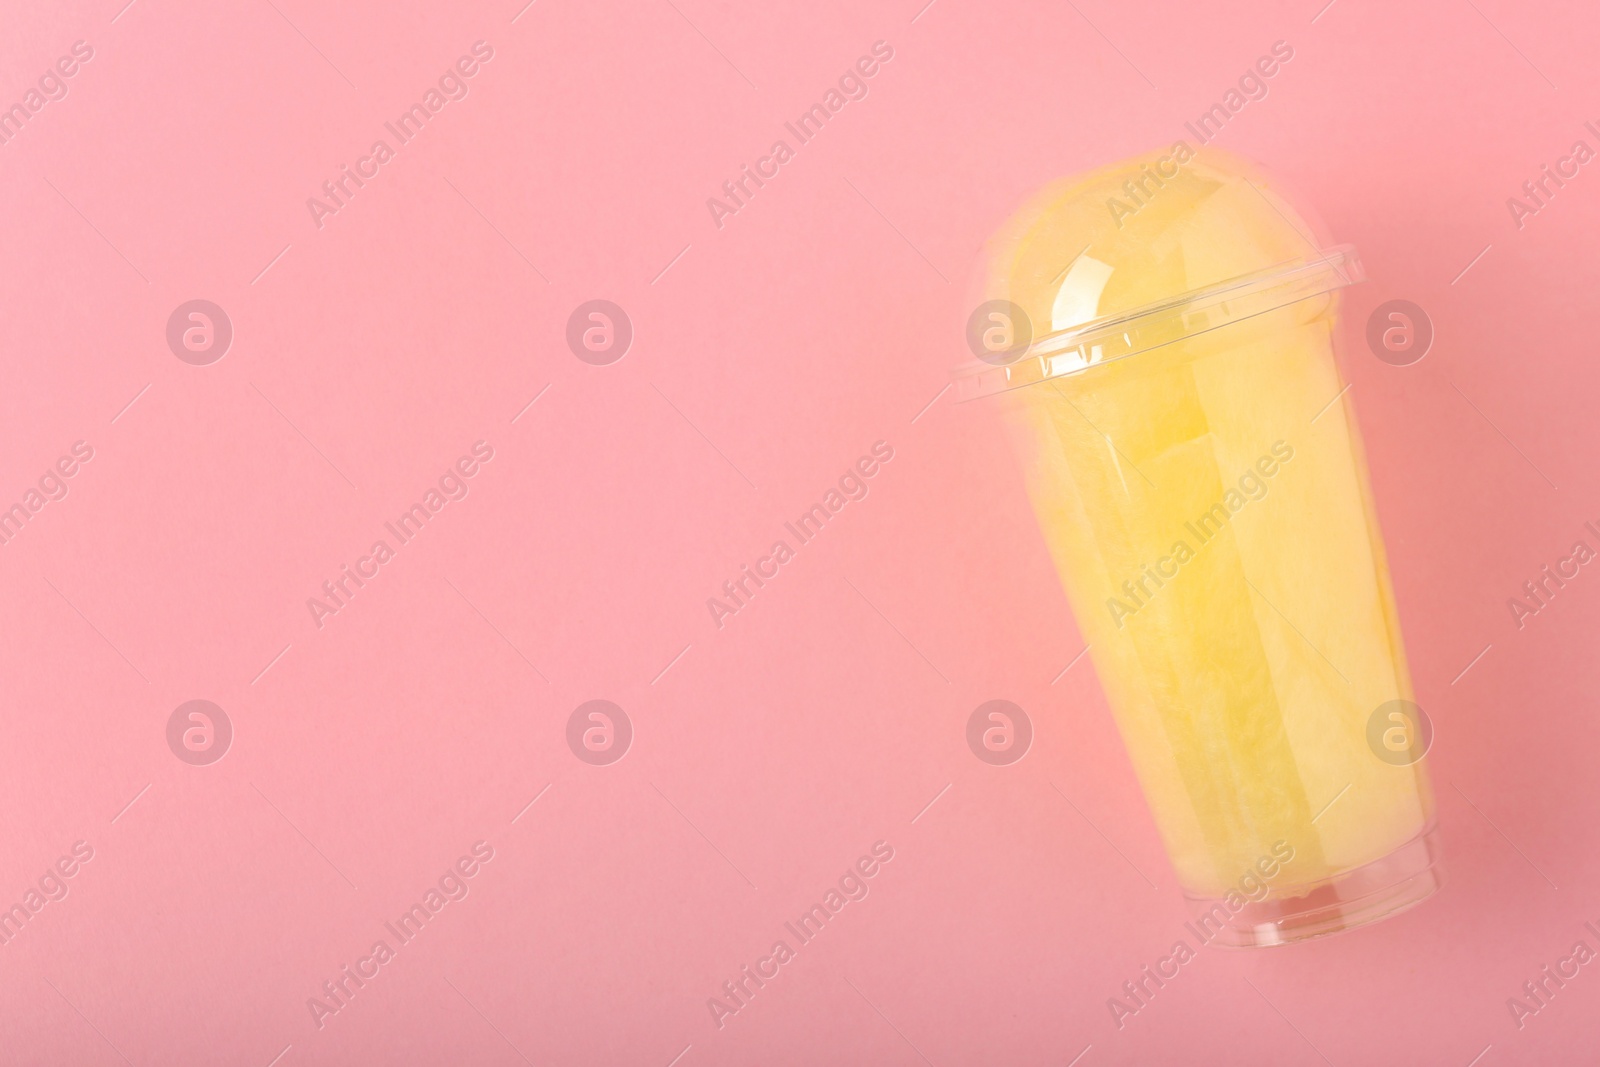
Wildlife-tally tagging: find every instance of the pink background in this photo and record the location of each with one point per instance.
(771, 753)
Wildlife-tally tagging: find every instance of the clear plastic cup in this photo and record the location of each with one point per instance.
(1161, 338)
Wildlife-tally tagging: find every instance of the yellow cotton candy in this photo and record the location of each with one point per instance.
(1205, 499)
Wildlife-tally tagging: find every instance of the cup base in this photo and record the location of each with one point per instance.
(1387, 886)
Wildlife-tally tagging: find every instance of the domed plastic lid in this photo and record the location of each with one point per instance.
(1139, 255)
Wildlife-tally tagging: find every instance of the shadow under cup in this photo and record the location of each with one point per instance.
(1200, 483)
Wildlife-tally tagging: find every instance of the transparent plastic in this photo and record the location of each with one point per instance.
(1197, 473)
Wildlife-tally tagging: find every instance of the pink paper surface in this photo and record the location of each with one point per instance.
(373, 748)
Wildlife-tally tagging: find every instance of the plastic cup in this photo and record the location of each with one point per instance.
(1161, 338)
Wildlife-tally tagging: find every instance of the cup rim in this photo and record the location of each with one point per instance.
(1081, 349)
